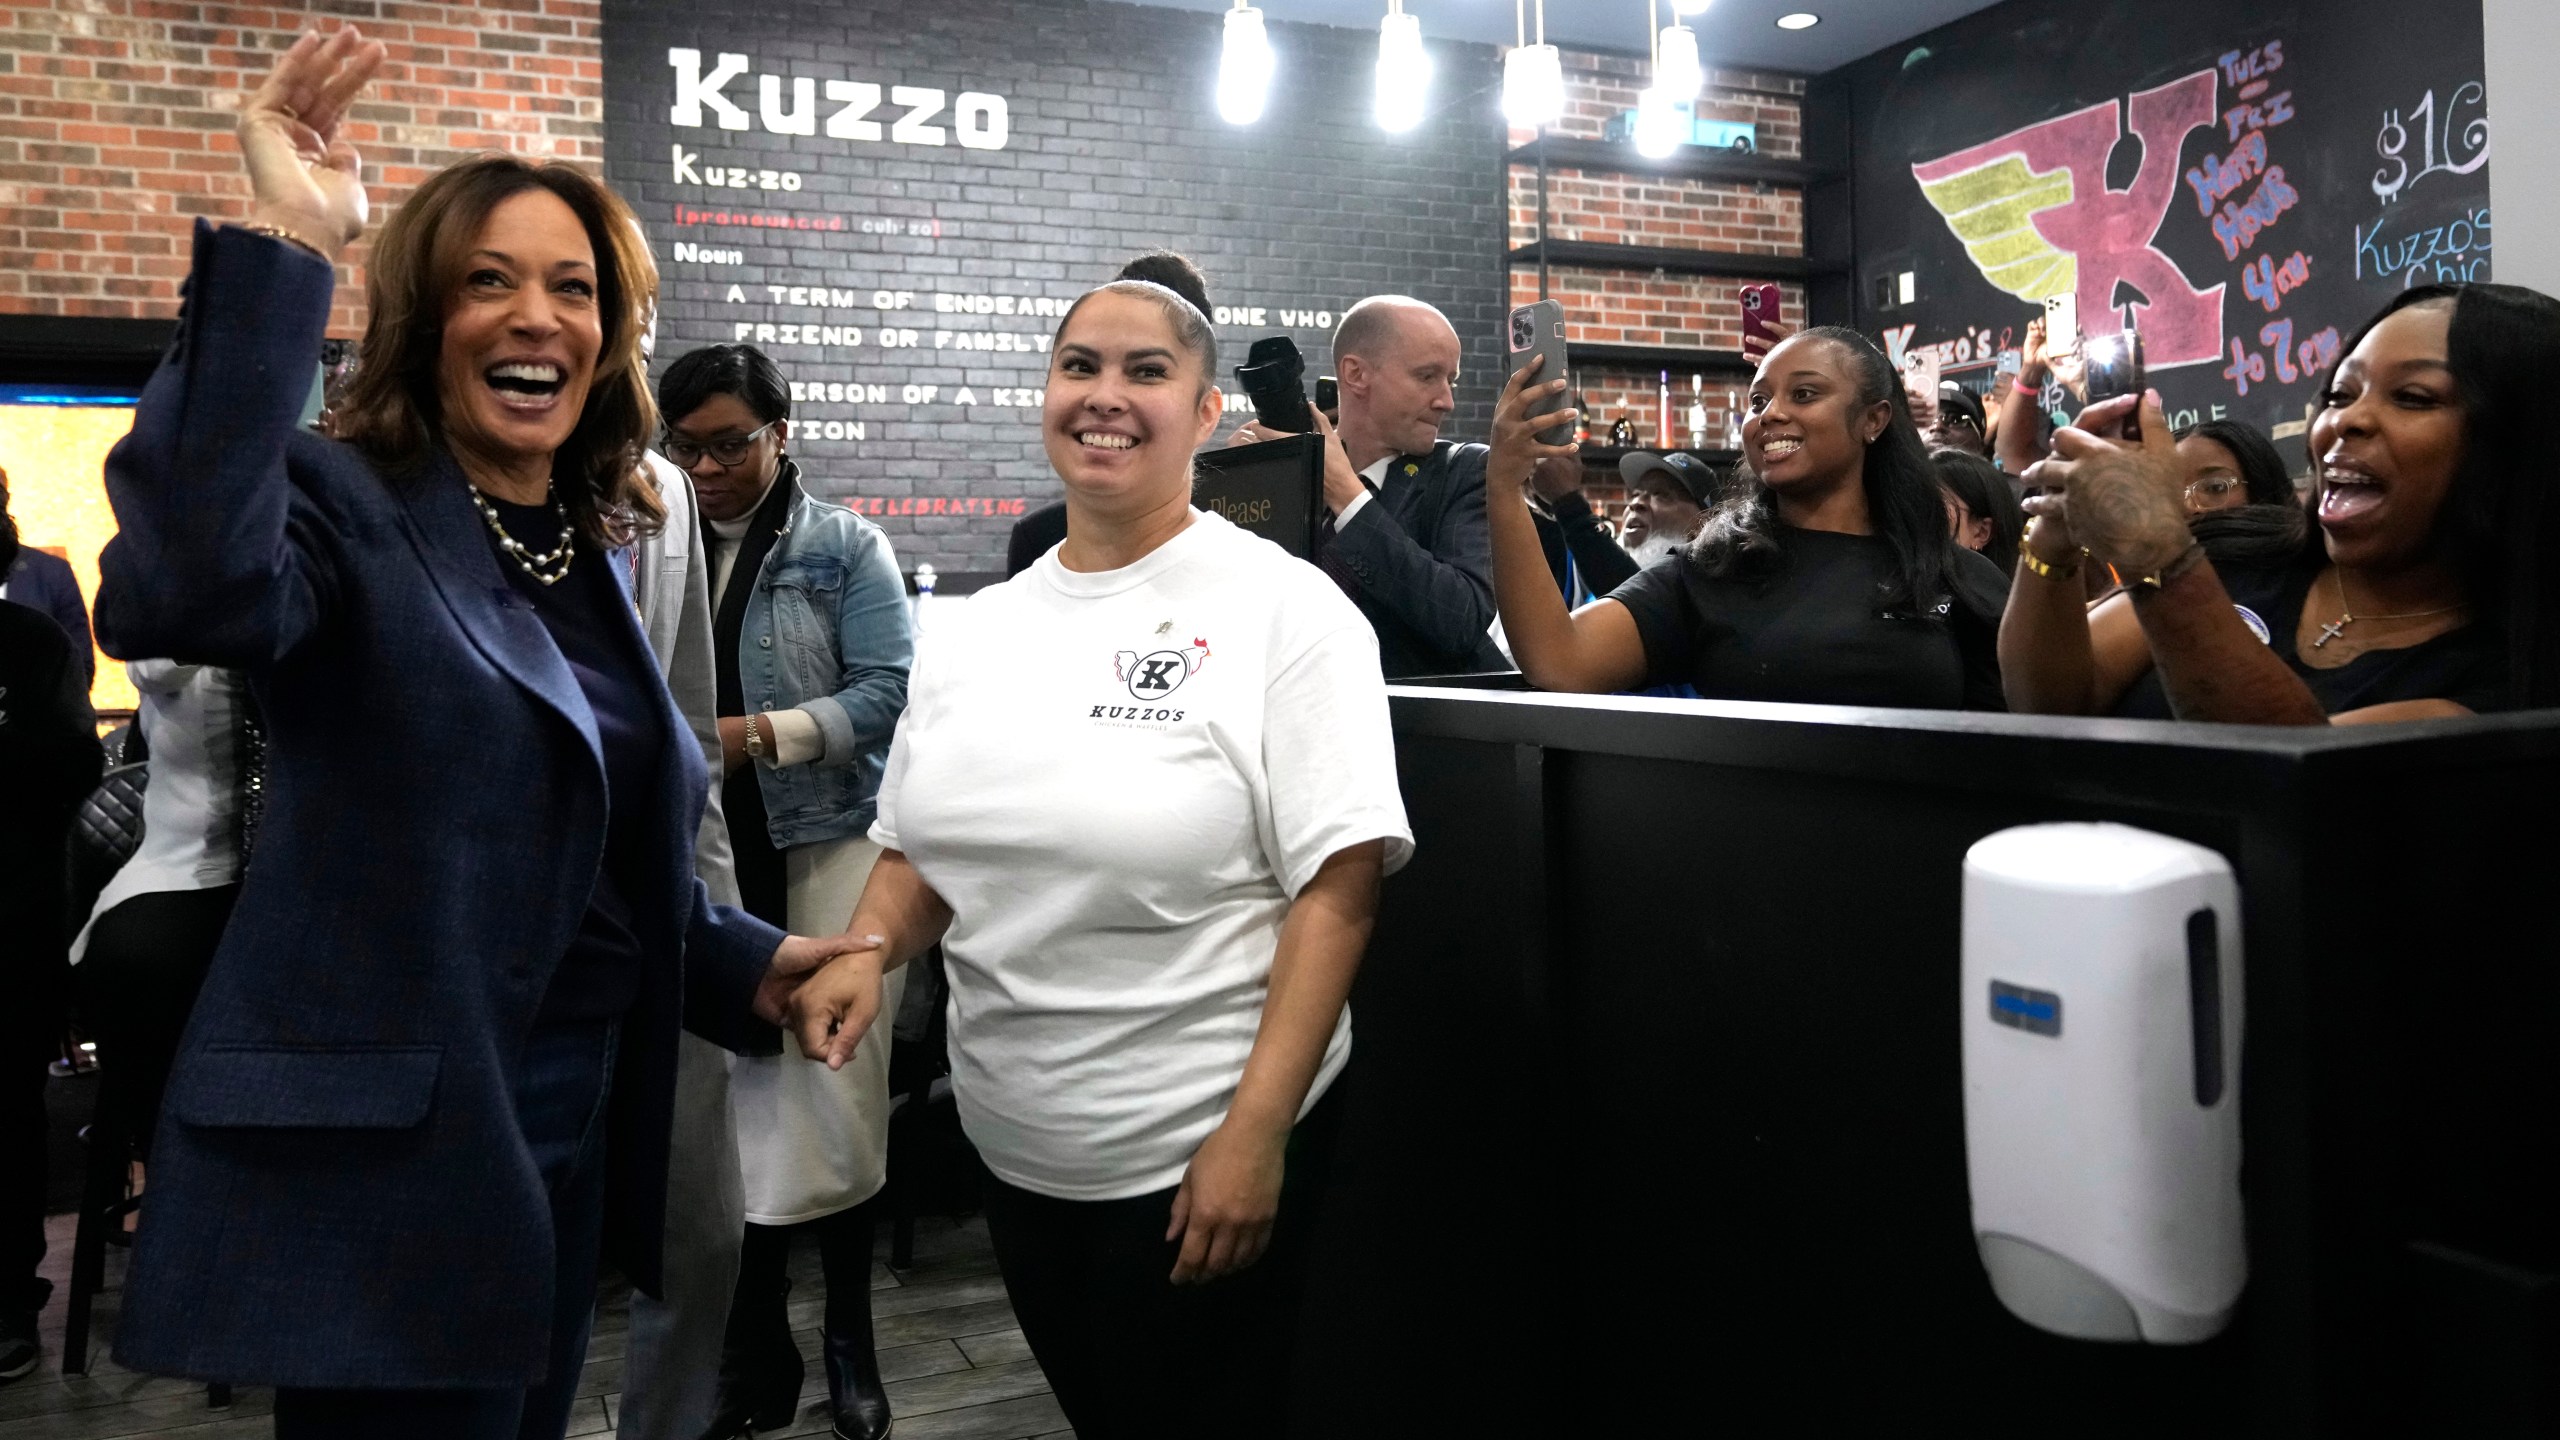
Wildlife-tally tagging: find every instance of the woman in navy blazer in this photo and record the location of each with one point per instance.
(430, 1075)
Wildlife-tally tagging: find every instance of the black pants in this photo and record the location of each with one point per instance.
(30, 1038)
(137, 985)
(1133, 1356)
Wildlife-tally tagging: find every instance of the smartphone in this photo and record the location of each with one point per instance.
(2115, 368)
(1759, 312)
(1328, 395)
(2061, 324)
(2007, 366)
(1921, 371)
(1538, 330)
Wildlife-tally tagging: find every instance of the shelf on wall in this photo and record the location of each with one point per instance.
(1610, 255)
(1695, 359)
(1610, 455)
(1689, 162)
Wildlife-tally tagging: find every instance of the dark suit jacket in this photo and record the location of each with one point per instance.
(42, 581)
(340, 1195)
(1421, 557)
(50, 755)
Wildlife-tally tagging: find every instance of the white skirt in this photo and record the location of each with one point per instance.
(813, 1141)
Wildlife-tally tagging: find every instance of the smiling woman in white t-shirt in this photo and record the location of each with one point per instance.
(1143, 794)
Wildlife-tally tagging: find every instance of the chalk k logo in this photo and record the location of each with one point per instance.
(1153, 677)
(2034, 211)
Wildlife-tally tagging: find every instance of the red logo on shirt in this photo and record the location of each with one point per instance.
(1154, 676)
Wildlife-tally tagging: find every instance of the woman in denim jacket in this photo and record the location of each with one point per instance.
(812, 635)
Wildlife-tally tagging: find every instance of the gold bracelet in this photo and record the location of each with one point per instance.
(755, 740)
(2068, 571)
(2187, 560)
(278, 232)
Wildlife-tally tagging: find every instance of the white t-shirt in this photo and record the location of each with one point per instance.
(1118, 781)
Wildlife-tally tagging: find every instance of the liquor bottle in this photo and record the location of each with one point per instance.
(1697, 412)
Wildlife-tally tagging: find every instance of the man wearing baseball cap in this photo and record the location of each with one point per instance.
(1959, 422)
(1668, 497)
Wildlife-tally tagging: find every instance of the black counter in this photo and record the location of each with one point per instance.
(1658, 1125)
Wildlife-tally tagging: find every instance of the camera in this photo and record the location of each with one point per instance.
(1274, 377)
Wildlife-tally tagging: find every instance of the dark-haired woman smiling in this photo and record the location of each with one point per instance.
(429, 1077)
(1831, 580)
(2421, 596)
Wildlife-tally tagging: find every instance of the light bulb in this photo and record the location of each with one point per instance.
(1660, 123)
(1533, 86)
(1675, 67)
(1244, 67)
(1404, 73)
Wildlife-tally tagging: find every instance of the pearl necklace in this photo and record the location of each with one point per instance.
(547, 568)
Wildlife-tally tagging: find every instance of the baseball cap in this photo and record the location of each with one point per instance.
(1952, 396)
(1694, 475)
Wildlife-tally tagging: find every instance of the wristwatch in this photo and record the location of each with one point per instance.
(755, 738)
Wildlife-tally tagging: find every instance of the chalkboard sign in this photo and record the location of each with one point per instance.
(2244, 181)
(1269, 489)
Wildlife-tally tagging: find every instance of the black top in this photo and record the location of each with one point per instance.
(2467, 666)
(764, 887)
(585, 612)
(1815, 629)
(49, 751)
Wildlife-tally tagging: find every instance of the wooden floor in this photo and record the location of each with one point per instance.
(955, 1362)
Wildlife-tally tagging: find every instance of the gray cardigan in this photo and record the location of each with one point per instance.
(671, 584)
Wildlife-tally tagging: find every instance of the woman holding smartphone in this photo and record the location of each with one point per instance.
(1830, 580)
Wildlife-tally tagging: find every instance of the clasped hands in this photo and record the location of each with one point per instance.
(2123, 500)
(825, 989)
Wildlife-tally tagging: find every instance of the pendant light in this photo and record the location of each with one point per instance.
(1676, 67)
(1661, 119)
(1244, 67)
(1532, 75)
(1404, 71)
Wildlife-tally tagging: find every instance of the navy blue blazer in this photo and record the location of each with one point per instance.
(1421, 559)
(340, 1195)
(42, 581)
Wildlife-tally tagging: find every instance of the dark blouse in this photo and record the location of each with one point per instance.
(2467, 666)
(587, 615)
(1816, 628)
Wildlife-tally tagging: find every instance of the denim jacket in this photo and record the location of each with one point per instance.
(827, 630)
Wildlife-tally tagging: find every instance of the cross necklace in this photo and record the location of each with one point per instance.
(2347, 616)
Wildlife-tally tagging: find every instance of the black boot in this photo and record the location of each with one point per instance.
(760, 1368)
(853, 1368)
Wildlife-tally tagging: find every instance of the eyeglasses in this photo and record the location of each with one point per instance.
(728, 449)
(2212, 487)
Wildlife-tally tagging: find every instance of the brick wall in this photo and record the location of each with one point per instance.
(1112, 148)
(1659, 308)
(116, 117)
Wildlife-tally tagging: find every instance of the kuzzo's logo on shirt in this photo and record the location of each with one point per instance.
(1152, 676)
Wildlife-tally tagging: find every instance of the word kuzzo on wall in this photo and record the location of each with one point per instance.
(979, 121)
(2239, 186)
(899, 203)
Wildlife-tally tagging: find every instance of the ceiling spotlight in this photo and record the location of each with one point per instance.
(1532, 76)
(1800, 20)
(1404, 70)
(1244, 67)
